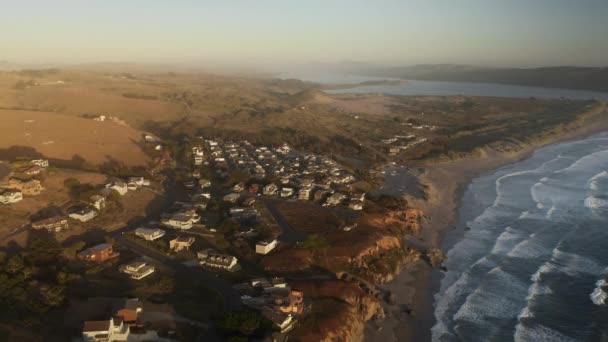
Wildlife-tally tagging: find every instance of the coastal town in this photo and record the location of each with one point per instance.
(219, 219)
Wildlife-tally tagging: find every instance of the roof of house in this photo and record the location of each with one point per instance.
(96, 326)
(100, 247)
(184, 239)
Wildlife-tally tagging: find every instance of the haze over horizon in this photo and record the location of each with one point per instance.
(475, 32)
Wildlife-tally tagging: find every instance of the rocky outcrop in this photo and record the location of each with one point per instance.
(339, 310)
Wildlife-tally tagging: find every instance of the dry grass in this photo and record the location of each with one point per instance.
(60, 136)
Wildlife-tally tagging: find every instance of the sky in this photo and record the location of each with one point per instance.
(395, 32)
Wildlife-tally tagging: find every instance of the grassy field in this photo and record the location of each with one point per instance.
(267, 111)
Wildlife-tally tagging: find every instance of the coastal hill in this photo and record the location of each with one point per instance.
(589, 78)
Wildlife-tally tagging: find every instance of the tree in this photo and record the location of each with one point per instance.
(44, 251)
(52, 295)
(14, 264)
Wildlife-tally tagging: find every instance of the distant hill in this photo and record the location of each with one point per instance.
(589, 78)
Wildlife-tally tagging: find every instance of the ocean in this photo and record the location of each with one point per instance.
(532, 263)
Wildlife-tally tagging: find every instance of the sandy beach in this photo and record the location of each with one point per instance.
(415, 287)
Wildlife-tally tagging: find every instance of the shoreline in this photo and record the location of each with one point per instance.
(447, 182)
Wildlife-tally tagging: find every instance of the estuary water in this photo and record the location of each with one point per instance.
(441, 88)
(533, 261)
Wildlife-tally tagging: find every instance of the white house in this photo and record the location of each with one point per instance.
(119, 186)
(264, 247)
(179, 221)
(137, 269)
(287, 192)
(149, 234)
(8, 196)
(41, 162)
(112, 330)
(99, 202)
(84, 214)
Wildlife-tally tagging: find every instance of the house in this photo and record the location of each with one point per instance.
(149, 234)
(304, 193)
(83, 213)
(40, 162)
(254, 188)
(33, 170)
(179, 221)
(129, 311)
(355, 205)
(271, 189)
(99, 253)
(181, 242)
(231, 198)
(239, 187)
(212, 259)
(119, 186)
(27, 186)
(292, 303)
(97, 201)
(358, 196)
(8, 196)
(139, 181)
(204, 183)
(264, 247)
(112, 330)
(336, 199)
(287, 192)
(52, 224)
(281, 320)
(243, 213)
(137, 269)
(249, 201)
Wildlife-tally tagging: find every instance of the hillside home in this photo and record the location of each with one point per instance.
(98, 253)
(98, 202)
(291, 302)
(271, 189)
(179, 221)
(137, 269)
(149, 234)
(264, 247)
(33, 170)
(8, 196)
(27, 186)
(355, 205)
(181, 243)
(119, 186)
(129, 311)
(204, 183)
(83, 213)
(304, 193)
(212, 259)
(40, 162)
(239, 187)
(287, 192)
(231, 198)
(284, 322)
(52, 224)
(112, 330)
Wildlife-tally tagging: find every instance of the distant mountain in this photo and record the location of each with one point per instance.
(589, 78)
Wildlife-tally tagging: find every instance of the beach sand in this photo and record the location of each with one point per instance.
(415, 287)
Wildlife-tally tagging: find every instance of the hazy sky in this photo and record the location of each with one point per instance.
(487, 32)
